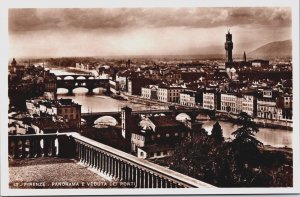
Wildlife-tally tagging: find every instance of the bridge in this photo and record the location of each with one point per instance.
(193, 113)
(107, 161)
(71, 82)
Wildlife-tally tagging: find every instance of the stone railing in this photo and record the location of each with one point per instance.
(108, 161)
(43, 145)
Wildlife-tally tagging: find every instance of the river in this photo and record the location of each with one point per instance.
(101, 103)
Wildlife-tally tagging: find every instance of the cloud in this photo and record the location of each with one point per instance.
(21, 20)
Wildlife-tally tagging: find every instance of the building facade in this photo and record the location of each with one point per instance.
(209, 100)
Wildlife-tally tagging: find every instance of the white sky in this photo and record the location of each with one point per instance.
(143, 31)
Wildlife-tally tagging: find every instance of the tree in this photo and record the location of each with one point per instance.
(217, 133)
(245, 143)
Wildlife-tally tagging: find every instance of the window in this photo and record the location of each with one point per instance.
(165, 153)
(176, 134)
(151, 154)
(141, 154)
(158, 153)
(158, 136)
(167, 135)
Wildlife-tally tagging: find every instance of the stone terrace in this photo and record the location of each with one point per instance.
(49, 172)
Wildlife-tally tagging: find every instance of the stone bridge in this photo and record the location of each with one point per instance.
(106, 160)
(192, 113)
(71, 82)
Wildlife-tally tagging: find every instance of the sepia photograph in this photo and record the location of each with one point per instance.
(162, 98)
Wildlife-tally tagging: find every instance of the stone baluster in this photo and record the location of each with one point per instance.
(142, 178)
(128, 173)
(24, 148)
(16, 148)
(154, 181)
(150, 180)
(92, 158)
(79, 152)
(31, 147)
(84, 153)
(138, 178)
(173, 185)
(146, 179)
(96, 160)
(46, 147)
(163, 183)
(105, 163)
(116, 168)
(133, 175)
(123, 171)
(119, 166)
(109, 165)
(88, 155)
(38, 147)
(101, 161)
(158, 183)
(53, 148)
(129, 178)
(112, 167)
(168, 184)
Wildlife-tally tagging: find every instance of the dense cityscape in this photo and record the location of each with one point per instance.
(258, 89)
(171, 115)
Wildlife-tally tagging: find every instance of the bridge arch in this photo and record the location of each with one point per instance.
(62, 90)
(80, 89)
(81, 78)
(182, 117)
(91, 77)
(106, 121)
(58, 78)
(68, 78)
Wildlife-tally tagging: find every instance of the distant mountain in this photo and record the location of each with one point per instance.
(273, 49)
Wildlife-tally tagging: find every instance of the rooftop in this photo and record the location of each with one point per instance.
(164, 121)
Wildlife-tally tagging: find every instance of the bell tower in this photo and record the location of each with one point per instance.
(228, 48)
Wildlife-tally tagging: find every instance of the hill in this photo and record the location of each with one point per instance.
(273, 49)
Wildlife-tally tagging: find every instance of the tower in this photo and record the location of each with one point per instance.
(244, 57)
(228, 47)
(14, 62)
(125, 119)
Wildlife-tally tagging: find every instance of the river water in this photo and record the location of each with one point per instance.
(101, 103)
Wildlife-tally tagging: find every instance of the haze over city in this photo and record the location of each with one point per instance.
(143, 31)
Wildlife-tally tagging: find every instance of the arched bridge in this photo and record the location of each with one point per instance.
(71, 82)
(192, 113)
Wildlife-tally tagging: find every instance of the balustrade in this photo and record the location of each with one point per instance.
(107, 160)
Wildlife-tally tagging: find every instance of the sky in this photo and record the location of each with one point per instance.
(143, 31)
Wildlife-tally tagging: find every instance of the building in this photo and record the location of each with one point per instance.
(63, 109)
(135, 84)
(191, 98)
(150, 92)
(169, 93)
(114, 86)
(260, 63)
(267, 106)
(157, 136)
(209, 100)
(237, 103)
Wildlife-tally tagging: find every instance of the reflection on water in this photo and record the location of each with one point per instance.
(273, 137)
(101, 103)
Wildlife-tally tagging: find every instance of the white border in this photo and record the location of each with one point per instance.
(5, 4)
